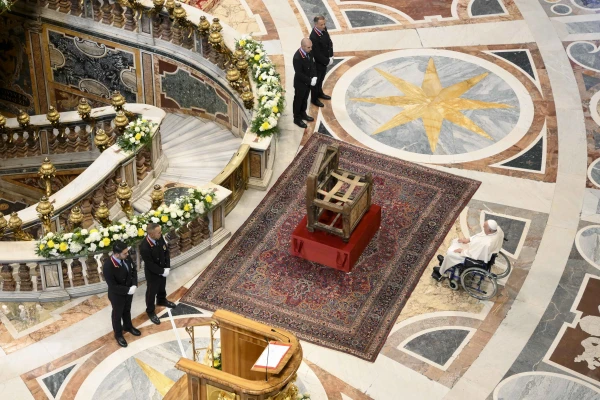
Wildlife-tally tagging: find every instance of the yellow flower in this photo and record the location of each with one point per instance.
(187, 207)
(138, 136)
(275, 109)
(106, 241)
(140, 232)
(260, 78)
(42, 246)
(94, 231)
(257, 57)
(63, 246)
(164, 218)
(242, 42)
(156, 213)
(50, 244)
(208, 198)
(265, 125)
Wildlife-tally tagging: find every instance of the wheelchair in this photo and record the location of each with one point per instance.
(478, 278)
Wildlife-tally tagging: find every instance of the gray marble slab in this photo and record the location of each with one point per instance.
(586, 54)
(532, 159)
(411, 136)
(361, 19)
(437, 346)
(486, 7)
(55, 381)
(545, 387)
(513, 230)
(312, 8)
(583, 27)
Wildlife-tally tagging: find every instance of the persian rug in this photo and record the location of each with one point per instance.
(256, 276)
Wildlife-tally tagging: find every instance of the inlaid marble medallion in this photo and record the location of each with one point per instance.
(432, 106)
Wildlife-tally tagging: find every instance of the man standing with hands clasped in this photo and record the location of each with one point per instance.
(120, 275)
(305, 76)
(323, 54)
(157, 264)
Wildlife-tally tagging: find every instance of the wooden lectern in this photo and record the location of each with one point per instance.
(242, 342)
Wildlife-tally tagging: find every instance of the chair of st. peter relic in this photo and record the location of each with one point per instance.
(333, 193)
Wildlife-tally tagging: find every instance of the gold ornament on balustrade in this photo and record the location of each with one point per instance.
(84, 109)
(234, 78)
(157, 197)
(117, 101)
(3, 225)
(23, 119)
(102, 215)
(2, 123)
(45, 211)
(15, 224)
(242, 66)
(170, 6)
(75, 217)
(158, 6)
(179, 14)
(101, 140)
(203, 26)
(124, 194)
(248, 98)
(121, 122)
(53, 116)
(46, 172)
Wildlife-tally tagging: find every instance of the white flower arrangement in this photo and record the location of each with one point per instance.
(269, 93)
(83, 241)
(137, 133)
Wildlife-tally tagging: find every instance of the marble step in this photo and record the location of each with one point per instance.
(226, 146)
(196, 138)
(184, 126)
(198, 175)
(143, 204)
(170, 121)
(193, 133)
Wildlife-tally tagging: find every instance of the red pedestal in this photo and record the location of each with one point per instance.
(330, 250)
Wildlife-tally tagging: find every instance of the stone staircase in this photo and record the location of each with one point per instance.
(197, 151)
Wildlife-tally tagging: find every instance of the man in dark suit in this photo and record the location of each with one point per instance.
(323, 53)
(305, 76)
(157, 265)
(120, 274)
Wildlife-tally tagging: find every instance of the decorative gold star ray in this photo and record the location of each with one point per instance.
(432, 103)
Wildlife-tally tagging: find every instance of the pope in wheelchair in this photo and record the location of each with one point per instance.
(481, 247)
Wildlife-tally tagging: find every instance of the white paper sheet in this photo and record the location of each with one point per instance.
(275, 354)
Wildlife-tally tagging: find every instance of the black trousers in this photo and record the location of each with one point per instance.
(300, 101)
(121, 310)
(317, 90)
(156, 292)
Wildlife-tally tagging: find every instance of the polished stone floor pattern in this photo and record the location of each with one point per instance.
(506, 92)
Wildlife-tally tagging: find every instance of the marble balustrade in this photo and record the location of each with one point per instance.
(25, 276)
(163, 27)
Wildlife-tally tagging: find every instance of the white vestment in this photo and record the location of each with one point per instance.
(480, 247)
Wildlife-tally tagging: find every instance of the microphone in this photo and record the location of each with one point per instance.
(267, 363)
(273, 330)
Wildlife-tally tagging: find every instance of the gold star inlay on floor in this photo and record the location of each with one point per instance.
(161, 382)
(433, 103)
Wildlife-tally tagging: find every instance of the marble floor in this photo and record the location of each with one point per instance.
(520, 113)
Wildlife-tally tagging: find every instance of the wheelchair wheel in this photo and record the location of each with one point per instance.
(501, 267)
(454, 284)
(479, 283)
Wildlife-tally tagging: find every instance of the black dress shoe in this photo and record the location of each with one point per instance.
(308, 118)
(300, 123)
(436, 274)
(167, 303)
(121, 340)
(154, 319)
(440, 258)
(133, 331)
(324, 96)
(318, 103)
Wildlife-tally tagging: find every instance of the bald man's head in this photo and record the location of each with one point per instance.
(306, 45)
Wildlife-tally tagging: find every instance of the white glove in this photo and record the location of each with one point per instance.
(167, 270)
(330, 61)
(313, 81)
(132, 290)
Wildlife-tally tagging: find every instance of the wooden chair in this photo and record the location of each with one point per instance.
(333, 193)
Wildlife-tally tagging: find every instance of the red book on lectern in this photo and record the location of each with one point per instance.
(271, 357)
